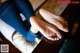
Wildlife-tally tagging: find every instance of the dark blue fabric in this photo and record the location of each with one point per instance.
(30, 36)
(2, 8)
(25, 8)
(9, 14)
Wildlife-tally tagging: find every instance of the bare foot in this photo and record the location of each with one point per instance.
(58, 21)
(49, 31)
(33, 29)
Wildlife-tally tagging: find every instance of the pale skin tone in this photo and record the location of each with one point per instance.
(50, 29)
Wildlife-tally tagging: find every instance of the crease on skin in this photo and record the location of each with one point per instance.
(49, 36)
(55, 30)
(58, 21)
(41, 27)
(51, 33)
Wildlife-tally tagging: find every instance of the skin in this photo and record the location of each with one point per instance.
(50, 29)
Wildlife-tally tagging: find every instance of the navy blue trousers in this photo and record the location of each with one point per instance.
(9, 13)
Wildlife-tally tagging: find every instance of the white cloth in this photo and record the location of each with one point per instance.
(23, 45)
(6, 30)
(18, 41)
